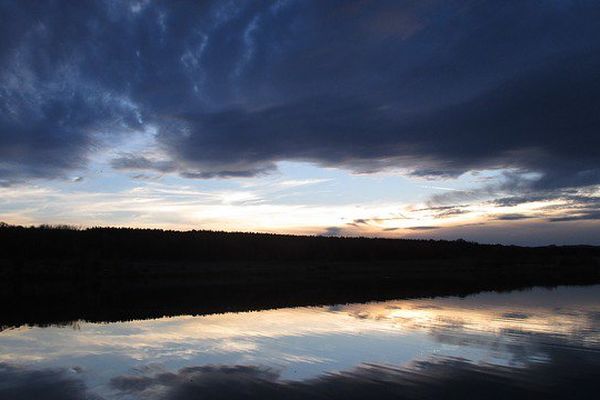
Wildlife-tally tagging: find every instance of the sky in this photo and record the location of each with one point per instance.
(412, 119)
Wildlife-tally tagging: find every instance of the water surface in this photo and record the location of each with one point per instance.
(535, 343)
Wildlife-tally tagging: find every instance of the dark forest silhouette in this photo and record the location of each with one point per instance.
(69, 243)
(56, 274)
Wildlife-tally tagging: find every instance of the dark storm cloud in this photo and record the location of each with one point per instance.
(437, 87)
(55, 92)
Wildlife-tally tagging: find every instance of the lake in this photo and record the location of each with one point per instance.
(535, 343)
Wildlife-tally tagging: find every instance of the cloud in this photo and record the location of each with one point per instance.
(511, 217)
(578, 216)
(130, 162)
(440, 212)
(422, 228)
(49, 384)
(365, 222)
(560, 205)
(517, 200)
(450, 378)
(515, 315)
(233, 89)
(53, 104)
(444, 142)
(333, 231)
(291, 183)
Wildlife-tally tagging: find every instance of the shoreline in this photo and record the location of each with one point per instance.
(55, 275)
(170, 290)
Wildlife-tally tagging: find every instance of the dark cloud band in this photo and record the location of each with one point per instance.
(437, 88)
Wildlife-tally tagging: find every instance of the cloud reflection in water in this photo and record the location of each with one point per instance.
(540, 340)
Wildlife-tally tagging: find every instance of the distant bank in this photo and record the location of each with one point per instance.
(58, 274)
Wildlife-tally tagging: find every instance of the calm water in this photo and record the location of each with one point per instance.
(536, 343)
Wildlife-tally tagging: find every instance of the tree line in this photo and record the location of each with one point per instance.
(65, 242)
